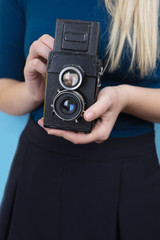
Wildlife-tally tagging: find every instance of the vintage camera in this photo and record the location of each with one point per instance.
(73, 75)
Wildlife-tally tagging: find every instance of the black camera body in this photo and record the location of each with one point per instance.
(73, 75)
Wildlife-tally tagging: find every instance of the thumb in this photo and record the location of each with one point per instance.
(98, 108)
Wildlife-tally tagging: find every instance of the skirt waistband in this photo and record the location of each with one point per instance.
(113, 147)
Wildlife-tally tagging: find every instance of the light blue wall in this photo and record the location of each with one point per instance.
(10, 129)
(157, 128)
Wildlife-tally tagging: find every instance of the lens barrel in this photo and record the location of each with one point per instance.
(68, 105)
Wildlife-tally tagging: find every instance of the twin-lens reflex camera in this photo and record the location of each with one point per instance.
(73, 75)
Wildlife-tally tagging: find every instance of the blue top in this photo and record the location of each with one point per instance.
(24, 21)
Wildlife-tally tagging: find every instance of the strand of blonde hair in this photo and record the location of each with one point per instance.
(134, 22)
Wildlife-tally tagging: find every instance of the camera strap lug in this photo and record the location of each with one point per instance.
(99, 77)
(101, 71)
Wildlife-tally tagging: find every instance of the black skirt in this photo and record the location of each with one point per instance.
(60, 191)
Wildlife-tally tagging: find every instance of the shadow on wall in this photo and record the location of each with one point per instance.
(10, 129)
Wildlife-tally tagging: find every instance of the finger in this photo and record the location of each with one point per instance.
(40, 122)
(47, 40)
(38, 49)
(76, 138)
(35, 65)
(99, 142)
(56, 132)
(100, 132)
(99, 108)
(50, 131)
(97, 134)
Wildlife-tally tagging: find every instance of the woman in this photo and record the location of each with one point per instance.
(63, 185)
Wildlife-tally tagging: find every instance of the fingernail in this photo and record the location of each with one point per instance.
(89, 116)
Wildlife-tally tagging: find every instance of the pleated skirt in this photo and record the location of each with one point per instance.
(57, 190)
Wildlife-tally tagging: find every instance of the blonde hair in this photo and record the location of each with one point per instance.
(134, 22)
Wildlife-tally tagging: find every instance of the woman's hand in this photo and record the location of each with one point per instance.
(18, 98)
(35, 68)
(111, 101)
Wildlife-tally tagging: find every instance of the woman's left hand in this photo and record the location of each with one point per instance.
(111, 101)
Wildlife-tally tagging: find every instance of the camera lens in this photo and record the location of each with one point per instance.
(70, 78)
(68, 105)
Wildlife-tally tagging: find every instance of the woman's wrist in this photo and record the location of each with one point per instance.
(140, 102)
(125, 96)
(15, 98)
(23, 101)
(31, 98)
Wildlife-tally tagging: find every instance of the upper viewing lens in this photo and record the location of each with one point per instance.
(70, 79)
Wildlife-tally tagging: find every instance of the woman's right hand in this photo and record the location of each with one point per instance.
(35, 68)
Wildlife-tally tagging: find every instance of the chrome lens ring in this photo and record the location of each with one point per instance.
(71, 71)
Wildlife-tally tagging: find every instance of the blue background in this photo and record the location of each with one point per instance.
(10, 129)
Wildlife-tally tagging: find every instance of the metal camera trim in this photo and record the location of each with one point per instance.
(77, 95)
(65, 70)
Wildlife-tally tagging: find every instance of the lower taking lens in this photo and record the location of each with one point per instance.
(68, 105)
